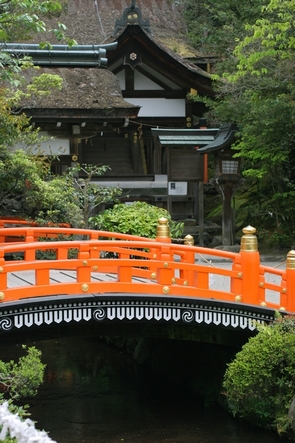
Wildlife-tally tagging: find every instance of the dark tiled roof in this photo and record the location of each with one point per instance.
(185, 137)
(62, 55)
(224, 138)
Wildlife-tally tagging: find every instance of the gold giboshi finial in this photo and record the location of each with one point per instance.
(290, 264)
(189, 240)
(249, 230)
(249, 240)
(163, 230)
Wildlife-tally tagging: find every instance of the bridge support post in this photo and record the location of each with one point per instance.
(165, 274)
(2, 236)
(84, 269)
(124, 272)
(30, 254)
(250, 263)
(189, 276)
(94, 251)
(3, 275)
(290, 282)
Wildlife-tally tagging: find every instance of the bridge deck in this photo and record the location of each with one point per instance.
(216, 281)
(28, 277)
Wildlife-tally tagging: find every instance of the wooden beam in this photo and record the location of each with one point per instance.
(129, 79)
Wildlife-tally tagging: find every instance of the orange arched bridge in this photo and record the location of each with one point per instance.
(59, 275)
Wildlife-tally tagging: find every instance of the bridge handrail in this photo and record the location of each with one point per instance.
(136, 243)
(29, 233)
(167, 268)
(18, 222)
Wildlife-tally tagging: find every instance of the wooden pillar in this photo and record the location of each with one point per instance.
(135, 152)
(227, 228)
(157, 156)
(195, 192)
(201, 213)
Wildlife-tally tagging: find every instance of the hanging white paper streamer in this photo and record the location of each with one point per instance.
(23, 431)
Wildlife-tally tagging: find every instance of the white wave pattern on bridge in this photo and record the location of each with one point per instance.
(126, 311)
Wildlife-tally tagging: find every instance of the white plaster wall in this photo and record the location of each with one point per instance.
(159, 107)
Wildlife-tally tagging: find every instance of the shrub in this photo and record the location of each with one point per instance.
(259, 383)
(139, 218)
(22, 379)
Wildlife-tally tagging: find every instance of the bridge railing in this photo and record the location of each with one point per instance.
(7, 236)
(93, 262)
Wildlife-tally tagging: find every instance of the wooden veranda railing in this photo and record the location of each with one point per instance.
(50, 261)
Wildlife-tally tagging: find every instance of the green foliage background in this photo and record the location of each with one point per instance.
(253, 78)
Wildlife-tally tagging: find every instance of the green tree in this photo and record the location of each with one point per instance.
(27, 189)
(259, 382)
(261, 86)
(13, 128)
(254, 84)
(19, 21)
(213, 27)
(89, 195)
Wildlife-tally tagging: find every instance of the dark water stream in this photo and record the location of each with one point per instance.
(96, 394)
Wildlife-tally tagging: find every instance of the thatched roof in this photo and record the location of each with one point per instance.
(89, 23)
(83, 88)
(92, 23)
